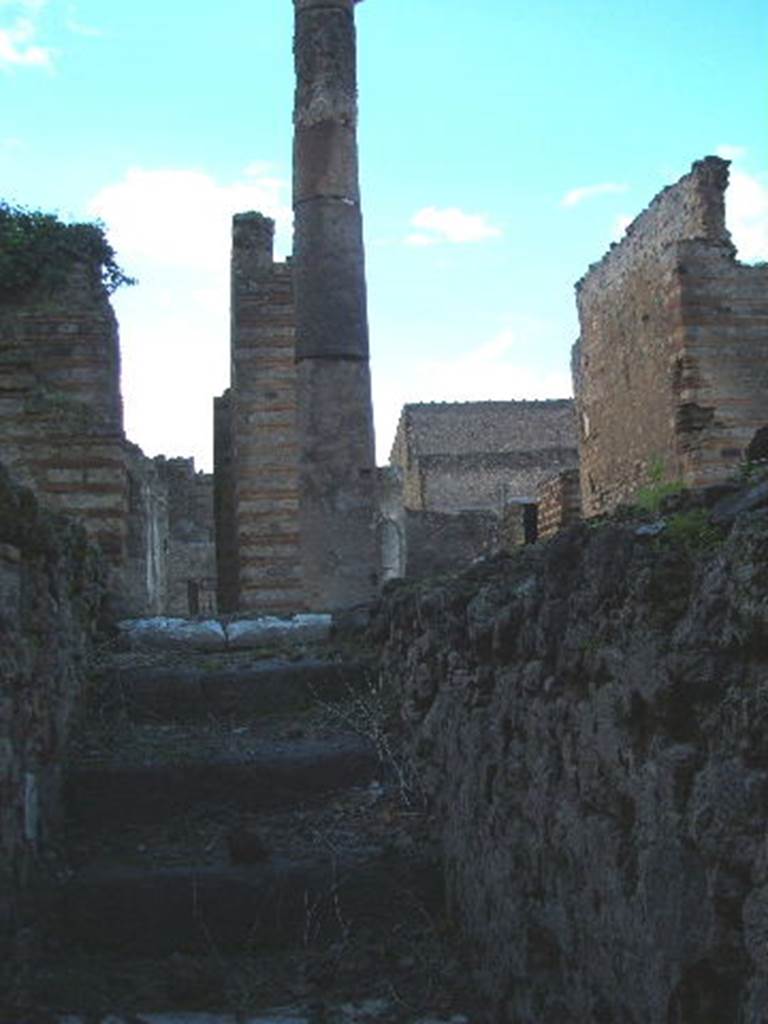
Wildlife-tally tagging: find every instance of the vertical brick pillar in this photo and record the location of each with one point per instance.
(337, 477)
(263, 445)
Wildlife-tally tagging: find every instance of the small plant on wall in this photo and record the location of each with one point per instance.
(650, 497)
(37, 250)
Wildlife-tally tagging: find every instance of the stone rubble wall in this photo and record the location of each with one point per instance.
(472, 455)
(670, 371)
(489, 481)
(559, 503)
(588, 722)
(52, 584)
(191, 552)
(436, 542)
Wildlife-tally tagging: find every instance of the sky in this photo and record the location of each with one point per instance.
(504, 145)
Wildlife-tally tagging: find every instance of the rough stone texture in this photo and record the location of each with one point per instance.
(677, 328)
(263, 451)
(559, 502)
(144, 575)
(391, 523)
(191, 555)
(337, 483)
(436, 542)
(457, 456)
(51, 588)
(589, 723)
(518, 525)
(61, 417)
(337, 469)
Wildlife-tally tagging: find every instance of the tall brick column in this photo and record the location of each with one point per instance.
(337, 476)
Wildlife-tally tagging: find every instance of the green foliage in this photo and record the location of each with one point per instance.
(693, 531)
(650, 498)
(37, 249)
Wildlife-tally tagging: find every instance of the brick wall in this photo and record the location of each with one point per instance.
(559, 502)
(263, 422)
(61, 423)
(669, 373)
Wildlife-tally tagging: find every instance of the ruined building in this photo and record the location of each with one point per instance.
(61, 433)
(295, 464)
(670, 373)
(470, 475)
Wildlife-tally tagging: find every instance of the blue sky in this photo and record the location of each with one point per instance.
(504, 145)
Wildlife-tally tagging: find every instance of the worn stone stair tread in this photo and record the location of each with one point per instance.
(188, 690)
(273, 773)
(348, 1013)
(286, 901)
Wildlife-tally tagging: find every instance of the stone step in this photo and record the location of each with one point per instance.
(256, 775)
(287, 902)
(371, 1011)
(187, 690)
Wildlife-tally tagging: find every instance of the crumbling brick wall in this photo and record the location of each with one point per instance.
(52, 584)
(262, 499)
(61, 417)
(559, 502)
(670, 373)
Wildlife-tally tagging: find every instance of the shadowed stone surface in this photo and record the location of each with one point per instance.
(275, 774)
(589, 719)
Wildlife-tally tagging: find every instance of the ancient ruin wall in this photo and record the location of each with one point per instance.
(264, 446)
(559, 503)
(721, 381)
(51, 589)
(669, 371)
(227, 568)
(144, 573)
(191, 553)
(458, 483)
(593, 745)
(61, 421)
(458, 456)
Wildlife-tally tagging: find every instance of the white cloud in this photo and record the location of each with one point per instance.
(182, 218)
(17, 46)
(579, 195)
(746, 207)
(171, 228)
(501, 369)
(450, 225)
(620, 225)
(731, 152)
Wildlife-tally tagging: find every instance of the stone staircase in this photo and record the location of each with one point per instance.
(240, 845)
